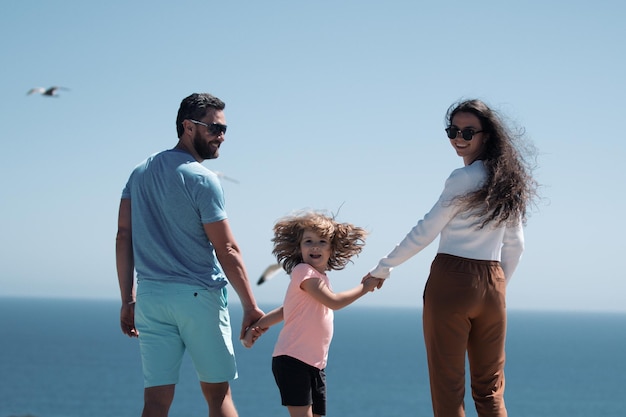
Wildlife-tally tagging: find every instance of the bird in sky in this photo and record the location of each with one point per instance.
(222, 175)
(269, 273)
(50, 92)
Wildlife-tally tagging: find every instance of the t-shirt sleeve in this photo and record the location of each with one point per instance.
(302, 272)
(127, 187)
(429, 227)
(210, 199)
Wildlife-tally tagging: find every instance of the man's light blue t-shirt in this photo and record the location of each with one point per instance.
(172, 196)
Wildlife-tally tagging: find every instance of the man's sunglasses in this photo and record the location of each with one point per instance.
(214, 128)
(466, 134)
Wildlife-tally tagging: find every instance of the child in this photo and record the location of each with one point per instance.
(307, 245)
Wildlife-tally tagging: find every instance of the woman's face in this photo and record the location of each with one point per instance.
(469, 150)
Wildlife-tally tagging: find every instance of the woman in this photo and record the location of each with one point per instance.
(479, 218)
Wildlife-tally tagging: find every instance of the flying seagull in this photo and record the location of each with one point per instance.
(269, 273)
(222, 175)
(50, 92)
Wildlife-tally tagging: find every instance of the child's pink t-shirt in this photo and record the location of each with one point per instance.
(308, 324)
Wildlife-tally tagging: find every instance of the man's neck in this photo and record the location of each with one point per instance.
(182, 146)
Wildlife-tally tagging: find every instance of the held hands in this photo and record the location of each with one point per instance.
(251, 335)
(371, 283)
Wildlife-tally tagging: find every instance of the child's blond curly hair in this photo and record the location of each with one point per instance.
(346, 240)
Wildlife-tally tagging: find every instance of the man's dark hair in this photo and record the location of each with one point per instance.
(196, 107)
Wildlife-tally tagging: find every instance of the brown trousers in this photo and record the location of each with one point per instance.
(465, 311)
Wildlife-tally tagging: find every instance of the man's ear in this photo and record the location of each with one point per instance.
(187, 126)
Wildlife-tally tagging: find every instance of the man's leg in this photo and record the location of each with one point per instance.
(219, 398)
(157, 400)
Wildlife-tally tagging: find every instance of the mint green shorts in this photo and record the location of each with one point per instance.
(172, 318)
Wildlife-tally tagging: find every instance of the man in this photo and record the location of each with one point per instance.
(173, 231)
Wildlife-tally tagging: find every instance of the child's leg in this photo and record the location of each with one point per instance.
(301, 411)
(302, 387)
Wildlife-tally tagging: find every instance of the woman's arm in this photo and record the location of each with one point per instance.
(512, 248)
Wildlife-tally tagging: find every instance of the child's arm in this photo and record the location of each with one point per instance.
(317, 289)
(380, 281)
(268, 320)
(257, 329)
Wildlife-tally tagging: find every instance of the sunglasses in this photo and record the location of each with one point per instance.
(466, 134)
(214, 128)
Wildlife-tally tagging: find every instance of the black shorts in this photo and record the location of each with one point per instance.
(300, 384)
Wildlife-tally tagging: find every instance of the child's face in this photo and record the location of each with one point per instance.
(315, 250)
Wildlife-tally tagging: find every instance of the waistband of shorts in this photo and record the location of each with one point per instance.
(168, 286)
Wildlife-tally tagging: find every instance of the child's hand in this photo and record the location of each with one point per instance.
(371, 283)
(252, 334)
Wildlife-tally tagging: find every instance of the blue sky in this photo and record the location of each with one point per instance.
(329, 104)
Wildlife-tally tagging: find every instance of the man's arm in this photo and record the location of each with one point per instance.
(229, 256)
(257, 329)
(125, 268)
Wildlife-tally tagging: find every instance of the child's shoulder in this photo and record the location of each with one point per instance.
(301, 268)
(304, 270)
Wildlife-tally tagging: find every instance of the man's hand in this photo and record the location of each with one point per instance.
(127, 320)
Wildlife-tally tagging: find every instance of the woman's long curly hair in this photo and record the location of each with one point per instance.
(346, 240)
(510, 189)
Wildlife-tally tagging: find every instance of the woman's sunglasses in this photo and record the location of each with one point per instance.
(466, 134)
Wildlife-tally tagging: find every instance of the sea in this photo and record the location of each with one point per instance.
(68, 358)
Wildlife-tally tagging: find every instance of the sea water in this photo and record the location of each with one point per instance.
(68, 358)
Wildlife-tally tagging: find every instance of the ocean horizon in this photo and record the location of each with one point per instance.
(68, 358)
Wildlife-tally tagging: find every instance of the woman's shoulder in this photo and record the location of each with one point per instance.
(475, 168)
(466, 178)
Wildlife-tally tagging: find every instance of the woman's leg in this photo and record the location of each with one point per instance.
(449, 298)
(486, 346)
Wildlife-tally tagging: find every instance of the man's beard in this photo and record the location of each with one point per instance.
(205, 149)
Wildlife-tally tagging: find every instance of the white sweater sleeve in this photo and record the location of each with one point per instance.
(512, 248)
(460, 234)
(429, 227)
